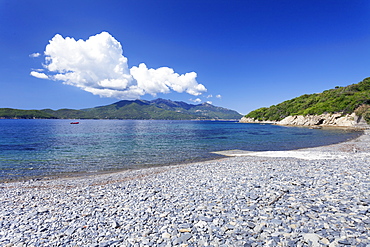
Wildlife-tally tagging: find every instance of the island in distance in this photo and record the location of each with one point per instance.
(159, 109)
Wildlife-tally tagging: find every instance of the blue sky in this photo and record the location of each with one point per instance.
(250, 54)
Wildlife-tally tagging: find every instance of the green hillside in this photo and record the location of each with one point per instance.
(23, 114)
(349, 99)
(137, 109)
(132, 109)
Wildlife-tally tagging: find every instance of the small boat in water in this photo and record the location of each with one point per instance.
(75, 122)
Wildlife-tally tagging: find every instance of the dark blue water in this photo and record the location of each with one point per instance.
(30, 148)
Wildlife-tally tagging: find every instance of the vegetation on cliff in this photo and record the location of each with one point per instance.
(349, 99)
(131, 109)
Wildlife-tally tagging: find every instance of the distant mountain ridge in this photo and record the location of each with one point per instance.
(160, 109)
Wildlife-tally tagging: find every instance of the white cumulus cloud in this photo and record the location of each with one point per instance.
(98, 66)
(163, 79)
(39, 75)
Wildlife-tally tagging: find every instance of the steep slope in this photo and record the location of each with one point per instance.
(344, 100)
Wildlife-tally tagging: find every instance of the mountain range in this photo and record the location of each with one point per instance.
(132, 109)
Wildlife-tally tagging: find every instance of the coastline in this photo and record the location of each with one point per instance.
(251, 200)
(317, 121)
(213, 155)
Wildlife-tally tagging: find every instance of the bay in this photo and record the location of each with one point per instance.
(36, 148)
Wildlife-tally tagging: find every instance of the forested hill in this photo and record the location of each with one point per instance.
(132, 109)
(349, 99)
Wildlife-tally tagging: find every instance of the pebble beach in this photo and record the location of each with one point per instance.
(310, 197)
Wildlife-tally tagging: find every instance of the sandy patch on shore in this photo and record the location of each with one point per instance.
(307, 155)
(357, 148)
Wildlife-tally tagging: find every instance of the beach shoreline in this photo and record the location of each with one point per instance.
(220, 155)
(356, 145)
(257, 199)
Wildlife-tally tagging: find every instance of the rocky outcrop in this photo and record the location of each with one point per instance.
(335, 119)
(252, 120)
(324, 119)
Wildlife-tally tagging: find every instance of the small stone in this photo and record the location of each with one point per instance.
(43, 229)
(201, 224)
(313, 238)
(276, 222)
(183, 238)
(250, 224)
(146, 233)
(366, 221)
(166, 235)
(162, 215)
(42, 210)
(259, 227)
(344, 241)
(70, 231)
(229, 227)
(185, 225)
(293, 226)
(185, 230)
(115, 224)
(292, 243)
(204, 218)
(325, 241)
(253, 197)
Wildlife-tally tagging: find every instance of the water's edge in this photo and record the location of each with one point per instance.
(218, 156)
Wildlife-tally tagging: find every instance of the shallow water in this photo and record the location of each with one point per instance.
(30, 148)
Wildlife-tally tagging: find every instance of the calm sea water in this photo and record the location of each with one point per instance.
(31, 148)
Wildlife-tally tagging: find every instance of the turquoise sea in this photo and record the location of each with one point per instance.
(37, 148)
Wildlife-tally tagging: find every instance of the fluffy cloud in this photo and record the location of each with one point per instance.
(35, 54)
(39, 75)
(98, 66)
(197, 100)
(163, 79)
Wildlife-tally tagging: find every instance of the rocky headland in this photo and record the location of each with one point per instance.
(327, 120)
(347, 106)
